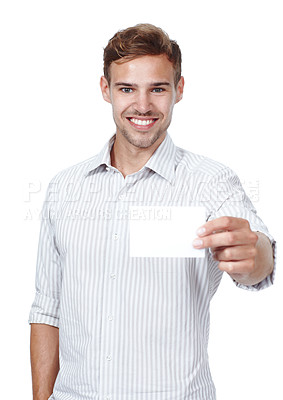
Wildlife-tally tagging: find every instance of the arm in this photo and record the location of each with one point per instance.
(44, 351)
(245, 255)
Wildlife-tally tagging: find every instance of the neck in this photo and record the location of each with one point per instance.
(128, 158)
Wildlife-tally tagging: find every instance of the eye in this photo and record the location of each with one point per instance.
(126, 90)
(158, 90)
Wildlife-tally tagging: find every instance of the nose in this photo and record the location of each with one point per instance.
(143, 103)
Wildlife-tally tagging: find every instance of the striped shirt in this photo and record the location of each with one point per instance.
(131, 328)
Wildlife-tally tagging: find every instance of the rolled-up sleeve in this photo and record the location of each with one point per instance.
(46, 304)
(233, 201)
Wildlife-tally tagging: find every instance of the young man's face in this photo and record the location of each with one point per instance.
(143, 95)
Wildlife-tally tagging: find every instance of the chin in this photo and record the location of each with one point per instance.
(142, 142)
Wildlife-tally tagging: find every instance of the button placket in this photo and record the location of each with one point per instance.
(109, 311)
(116, 236)
(115, 229)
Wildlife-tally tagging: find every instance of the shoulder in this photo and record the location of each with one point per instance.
(74, 173)
(67, 183)
(194, 163)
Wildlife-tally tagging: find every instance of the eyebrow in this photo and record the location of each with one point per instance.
(127, 84)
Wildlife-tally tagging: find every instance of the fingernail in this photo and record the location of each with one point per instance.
(201, 231)
(197, 243)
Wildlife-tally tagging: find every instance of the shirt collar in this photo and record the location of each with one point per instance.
(162, 160)
(103, 157)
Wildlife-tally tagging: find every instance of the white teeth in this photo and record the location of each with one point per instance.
(141, 121)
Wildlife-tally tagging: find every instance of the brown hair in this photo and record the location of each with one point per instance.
(138, 41)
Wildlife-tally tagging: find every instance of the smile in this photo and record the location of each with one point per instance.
(142, 123)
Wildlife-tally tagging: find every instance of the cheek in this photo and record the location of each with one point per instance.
(166, 106)
(168, 111)
(117, 110)
(120, 106)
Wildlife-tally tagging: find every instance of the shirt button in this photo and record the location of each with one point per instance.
(116, 236)
(113, 276)
(108, 358)
(107, 169)
(110, 317)
(107, 398)
(121, 196)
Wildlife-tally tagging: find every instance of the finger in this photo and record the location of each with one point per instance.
(225, 239)
(235, 253)
(223, 224)
(237, 267)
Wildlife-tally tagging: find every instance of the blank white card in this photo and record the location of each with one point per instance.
(165, 231)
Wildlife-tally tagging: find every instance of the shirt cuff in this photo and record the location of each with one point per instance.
(44, 310)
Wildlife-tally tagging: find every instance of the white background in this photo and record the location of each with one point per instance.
(53, 116)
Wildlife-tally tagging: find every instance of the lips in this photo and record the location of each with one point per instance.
(142, 123)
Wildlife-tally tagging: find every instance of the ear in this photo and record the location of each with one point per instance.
(180, 89)
(105, 89)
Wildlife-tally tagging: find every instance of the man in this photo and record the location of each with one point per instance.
(137, 327)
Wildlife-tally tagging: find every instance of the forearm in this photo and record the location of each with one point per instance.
(264, 263)
(44, 351)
